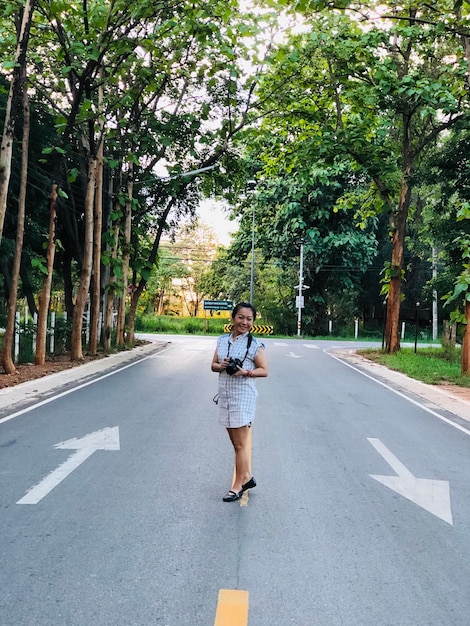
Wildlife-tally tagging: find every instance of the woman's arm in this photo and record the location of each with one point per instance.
(261, 366)
(216, 365)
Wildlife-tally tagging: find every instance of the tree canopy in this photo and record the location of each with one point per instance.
(138, 110)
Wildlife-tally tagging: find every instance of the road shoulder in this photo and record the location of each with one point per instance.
(448, 398)
(32, 391)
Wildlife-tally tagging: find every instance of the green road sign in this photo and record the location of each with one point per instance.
(218, 305)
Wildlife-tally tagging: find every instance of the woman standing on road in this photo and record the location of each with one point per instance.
(239, 358)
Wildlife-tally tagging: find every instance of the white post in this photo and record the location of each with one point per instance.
(403, 330)
(301, 280)
(251, 186)
(330, 326)
(17, 336)
(52, 332)
(252, 274)
(435, 316)
(87, 325)
(356, 328)
(64, 338)
(35, 330)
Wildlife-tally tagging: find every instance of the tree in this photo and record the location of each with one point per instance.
(6, 355)
(45, 295)
(378, 97)
(196, 246)
(157, 62)
(448, 171)
(158, 292)
(14, 103)
(297, 200)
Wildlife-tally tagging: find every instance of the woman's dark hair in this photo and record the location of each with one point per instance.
(243, 305)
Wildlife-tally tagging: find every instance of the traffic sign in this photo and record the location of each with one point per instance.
(218, 305)
(259, 330)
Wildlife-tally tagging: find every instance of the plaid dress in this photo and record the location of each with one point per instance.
(237, 394)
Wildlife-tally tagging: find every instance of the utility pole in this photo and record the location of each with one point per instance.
(435, 314)
(301, 288)
(251, 185)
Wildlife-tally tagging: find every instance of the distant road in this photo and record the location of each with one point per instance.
(112, 513)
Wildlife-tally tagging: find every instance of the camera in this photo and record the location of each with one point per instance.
(232, 367)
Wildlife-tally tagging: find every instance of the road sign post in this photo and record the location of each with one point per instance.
(216, 305)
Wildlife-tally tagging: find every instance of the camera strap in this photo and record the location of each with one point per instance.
(248, 345)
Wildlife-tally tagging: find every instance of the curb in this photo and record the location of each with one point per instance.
(443, 399)
(33, 390)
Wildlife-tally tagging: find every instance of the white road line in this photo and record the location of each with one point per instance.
(431, 495)
(104, 439)
(396, 465)
(402, 395)
(66, 393)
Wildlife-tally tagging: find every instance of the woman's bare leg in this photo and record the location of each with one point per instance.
(240, 441)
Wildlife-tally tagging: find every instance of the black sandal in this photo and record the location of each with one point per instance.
(249, 484)
(231, 496)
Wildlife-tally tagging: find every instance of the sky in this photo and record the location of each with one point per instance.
(212, 212)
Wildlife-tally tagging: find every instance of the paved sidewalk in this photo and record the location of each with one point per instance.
(32, 391)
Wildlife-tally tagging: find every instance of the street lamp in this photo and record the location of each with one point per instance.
(251, 185)
(190, 173)
(166, 179)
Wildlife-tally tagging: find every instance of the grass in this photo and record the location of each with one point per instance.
(181, 325)
(429, 365)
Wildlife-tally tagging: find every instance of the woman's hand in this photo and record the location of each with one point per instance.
(219, 366)
(224, 364)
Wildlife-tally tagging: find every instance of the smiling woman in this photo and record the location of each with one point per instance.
(239, 358)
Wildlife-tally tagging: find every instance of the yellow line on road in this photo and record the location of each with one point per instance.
(232, 608)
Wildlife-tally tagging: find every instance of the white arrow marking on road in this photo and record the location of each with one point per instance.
(431, 495)
(104, 439)
(294, 356)
(311, 346)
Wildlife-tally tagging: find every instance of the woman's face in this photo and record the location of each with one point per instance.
(243, 321)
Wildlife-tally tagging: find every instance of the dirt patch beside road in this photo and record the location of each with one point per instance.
(29, 371)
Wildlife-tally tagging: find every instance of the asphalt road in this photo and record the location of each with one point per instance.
(111, 507)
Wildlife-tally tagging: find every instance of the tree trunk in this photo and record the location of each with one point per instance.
(85, 275)
(465, 364)
(132, 314)
(126, 255)
(96, 291)
(392, 328)
(12, 107)
(110, 295)
(7, 359)
(45, 295)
